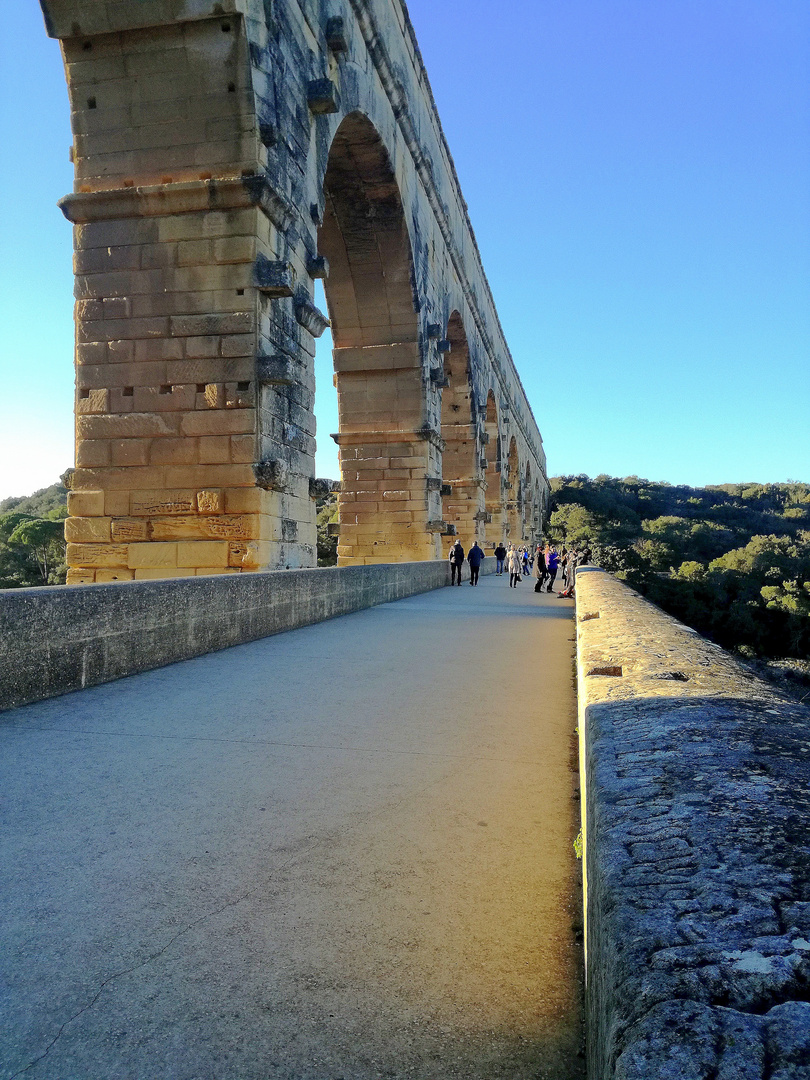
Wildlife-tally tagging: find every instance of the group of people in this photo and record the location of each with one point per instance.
(544, 563)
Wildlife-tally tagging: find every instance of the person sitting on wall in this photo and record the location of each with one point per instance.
(456, 562)
(475, 558)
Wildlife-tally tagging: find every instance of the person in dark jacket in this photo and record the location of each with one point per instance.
(456, 562)
(475, 557)
(539, 569)
(500, 555)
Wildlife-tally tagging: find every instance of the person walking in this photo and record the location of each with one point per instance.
(500, 555)
(475, 557)
(539, 571)
(525, 557)
(456, 562)
(513, 565)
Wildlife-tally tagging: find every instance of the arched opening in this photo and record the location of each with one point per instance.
(513, 495)
(462, 483)
(538, 519)
(495, 526)
(528, 506)
(369, 296)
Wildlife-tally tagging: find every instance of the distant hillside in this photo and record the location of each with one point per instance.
(38, 504)
(732, 560)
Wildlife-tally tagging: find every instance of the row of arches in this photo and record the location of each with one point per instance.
(420, 431)
(196, 265)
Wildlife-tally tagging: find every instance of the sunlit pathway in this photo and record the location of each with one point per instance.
(344, 851)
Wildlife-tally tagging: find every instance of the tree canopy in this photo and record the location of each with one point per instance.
(732, 560)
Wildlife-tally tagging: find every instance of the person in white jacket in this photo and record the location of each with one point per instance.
(513, 565)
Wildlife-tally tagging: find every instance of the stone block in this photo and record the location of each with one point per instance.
(130, 529)
(158, 573)
(205, 476)
(215, 449)
(85, 503)
(202, 553)
(94, 555)
(129, 426)
(160, 502)
(91, 453)
(245, 500)
(151, 555)
(116, 503)
(219, 422)
(210, 501)
(84, 530)
(92, 401)
(80, 576)
(173, 451)
(130, 451)
(114, 575)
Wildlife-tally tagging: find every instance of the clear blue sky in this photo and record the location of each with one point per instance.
(638, 177)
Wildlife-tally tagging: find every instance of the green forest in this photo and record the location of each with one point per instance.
(732, 561)
(32, 542)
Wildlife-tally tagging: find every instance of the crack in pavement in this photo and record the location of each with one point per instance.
(120, 974)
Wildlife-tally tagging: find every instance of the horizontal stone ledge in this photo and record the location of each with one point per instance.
(395, 435)
(77, 19)
(192, 196)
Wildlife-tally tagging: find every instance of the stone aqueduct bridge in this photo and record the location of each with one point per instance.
(228, 154)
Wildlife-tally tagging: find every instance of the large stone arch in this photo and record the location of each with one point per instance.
(367, 264)
(462, 481)
(496, 518)
(215, 180)
(514, 481)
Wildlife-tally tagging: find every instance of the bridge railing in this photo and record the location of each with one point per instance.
(65, 638)
(695, 818)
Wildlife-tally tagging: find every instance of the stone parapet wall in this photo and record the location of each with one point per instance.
(65, 638)
(697, 852)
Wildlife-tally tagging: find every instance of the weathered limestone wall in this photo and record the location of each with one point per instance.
(696, 808)
(228, 154)
(65, 638)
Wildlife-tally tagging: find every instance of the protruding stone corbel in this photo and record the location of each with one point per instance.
(433, 483)
(336, 37)
(322, 96)
(318, 267)
(482, 462)
(273, 278)
(432, 436)
(272, 474)
(277, 370)
(263, 194)
(483, 516)
(308, 316)
(438, 378)
(268, 133)
(319, 488)
(443, 527)
(446, 489)
(444, 346)
(434, 331)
